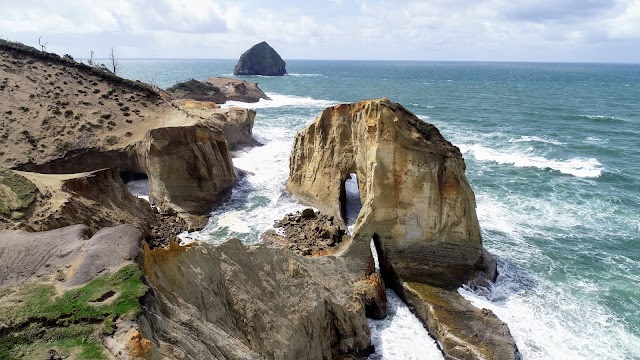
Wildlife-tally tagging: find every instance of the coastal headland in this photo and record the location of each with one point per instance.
(91, 271)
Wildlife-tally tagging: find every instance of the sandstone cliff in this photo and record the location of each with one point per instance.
(64, 117)
(234, 302)
(417, 207)
(96, 199)
(190, 168)
(260, 59)
(416, 202)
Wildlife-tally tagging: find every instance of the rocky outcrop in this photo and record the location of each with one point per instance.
(189, 168)
(96, 199)
(196, 90)
(238, 90)
(462, 330)
(261, 59)
(64, 117)
(218, 90)
(416, 201)
(416, 205)
(306, 233)
(236, 302)
(236, 123)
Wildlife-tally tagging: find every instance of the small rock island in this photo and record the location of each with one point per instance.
(261, 59)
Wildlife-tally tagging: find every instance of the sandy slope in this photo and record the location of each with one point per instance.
(49, 106)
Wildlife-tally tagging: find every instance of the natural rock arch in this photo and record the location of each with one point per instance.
(414, 193)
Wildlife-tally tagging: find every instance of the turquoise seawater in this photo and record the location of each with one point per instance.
(552, 153)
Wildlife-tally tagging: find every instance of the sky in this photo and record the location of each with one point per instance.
(458, 30)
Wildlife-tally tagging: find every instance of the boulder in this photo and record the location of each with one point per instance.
(261, 59)
(236, 302)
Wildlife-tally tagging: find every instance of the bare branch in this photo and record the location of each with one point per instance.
(42, 46)
(114, 62)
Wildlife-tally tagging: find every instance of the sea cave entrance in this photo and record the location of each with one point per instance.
(137, 183)
(350, 200)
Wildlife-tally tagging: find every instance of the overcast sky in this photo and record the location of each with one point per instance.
(500, 30)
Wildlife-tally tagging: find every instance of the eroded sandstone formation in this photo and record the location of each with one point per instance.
(64, 117)
(417, 207)
(260, 59)
(237, 302)
(416, 201)
(238, 90)
(190, 168)
(96, 199)
(218, 90)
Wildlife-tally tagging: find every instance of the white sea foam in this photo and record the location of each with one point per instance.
(577, 166)
(536, 139)
(139, 188)
(551, 318)
(600, 117)
(306, 75)
(279, 100)
(549, 323)
(594, 140)
(401, 335)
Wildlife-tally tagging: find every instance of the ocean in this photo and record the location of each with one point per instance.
(552, 154)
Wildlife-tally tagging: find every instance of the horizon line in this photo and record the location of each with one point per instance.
(400, 60)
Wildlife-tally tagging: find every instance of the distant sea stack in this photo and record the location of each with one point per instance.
(261, 59)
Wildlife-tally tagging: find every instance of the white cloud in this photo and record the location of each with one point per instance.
(357, 29)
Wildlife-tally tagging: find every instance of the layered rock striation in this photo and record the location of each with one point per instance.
(237, 302)
(260, 59)
(418, 209)
(416, 202)
(191, 168)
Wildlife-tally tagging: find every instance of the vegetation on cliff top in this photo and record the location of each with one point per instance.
(37, 320)
(16, 192)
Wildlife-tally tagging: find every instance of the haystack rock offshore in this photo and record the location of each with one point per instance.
(260, 59)
(93, 271)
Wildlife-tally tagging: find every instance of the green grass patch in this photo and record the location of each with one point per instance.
(72, 320)
(24, 190)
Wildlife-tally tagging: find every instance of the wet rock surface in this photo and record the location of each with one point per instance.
(306, 232)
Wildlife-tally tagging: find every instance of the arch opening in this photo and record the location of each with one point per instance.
(350, 201)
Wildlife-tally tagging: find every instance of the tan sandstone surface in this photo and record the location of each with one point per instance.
(61, 116)
(237, 302)
(417, 207)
